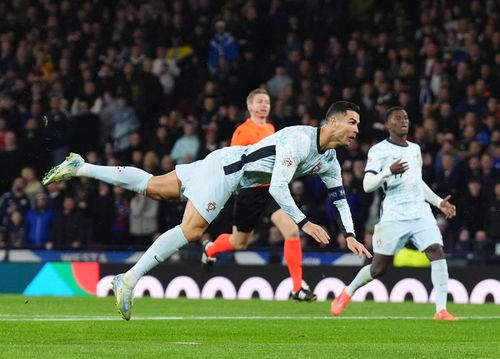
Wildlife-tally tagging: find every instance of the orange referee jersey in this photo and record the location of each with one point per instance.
(249, 133)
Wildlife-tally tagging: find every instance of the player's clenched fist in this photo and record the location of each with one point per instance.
(317, 232)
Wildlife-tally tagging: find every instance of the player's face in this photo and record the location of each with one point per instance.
(260, 105)
(399, 123)
(347, 127)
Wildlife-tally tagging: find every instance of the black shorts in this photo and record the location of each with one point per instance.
(249, 205)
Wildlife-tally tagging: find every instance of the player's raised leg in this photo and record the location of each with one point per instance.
(191, 229)
(130, 178)
(439, 277)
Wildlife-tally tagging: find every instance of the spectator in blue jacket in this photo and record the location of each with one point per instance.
(221, 44)
(38, 224)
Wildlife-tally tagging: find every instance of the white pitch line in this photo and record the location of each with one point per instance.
(41, 318)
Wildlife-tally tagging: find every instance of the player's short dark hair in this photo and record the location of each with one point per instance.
(342, 107)
(390, 111)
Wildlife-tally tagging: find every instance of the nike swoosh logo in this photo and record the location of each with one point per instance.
(124, 308)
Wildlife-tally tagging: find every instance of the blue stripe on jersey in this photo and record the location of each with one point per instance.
(336, 193)
(252, 157)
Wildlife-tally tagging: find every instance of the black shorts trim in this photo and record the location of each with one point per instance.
(250, 205)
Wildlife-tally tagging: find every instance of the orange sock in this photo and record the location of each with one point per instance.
(221, 244)
(293, 258)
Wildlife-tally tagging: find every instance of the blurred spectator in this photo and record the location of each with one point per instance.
(162, 142)
(166, 69)
(68, 223)
(109, 107)
(33, 184)
(38, 224)
(15, 233)
(120, 222)
(222, 46)
(85, 126)
(470, 205)
(57, 130)
(210, 143)
(277, 84)
(11, 161)
(482, 247)
(493, 215)
(14, 200)
(463, 247)
(150, 163)
(143, 220)
(125, 122)
(448, 178)
(101, 209)
(188, 144)
(33, 145)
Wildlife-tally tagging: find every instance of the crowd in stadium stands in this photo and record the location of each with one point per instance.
(157, 83)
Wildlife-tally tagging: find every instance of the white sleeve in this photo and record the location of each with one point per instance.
(430, 196)
(373, 181)
(286, 163)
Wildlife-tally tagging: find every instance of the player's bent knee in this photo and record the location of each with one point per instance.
(435, 252)
(240, 243)
(291, 232)
(192, 234)
(153, 190)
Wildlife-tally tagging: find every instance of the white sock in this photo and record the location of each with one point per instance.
(364, 276)
(164, 246)
(439, 277)
(130, 178)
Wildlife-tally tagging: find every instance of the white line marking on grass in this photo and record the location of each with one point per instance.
(69, 318)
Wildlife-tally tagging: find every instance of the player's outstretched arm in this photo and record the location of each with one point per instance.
(448, 209)
(357, 247)
(317, 232)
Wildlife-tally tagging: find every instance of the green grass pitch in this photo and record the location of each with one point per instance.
(90, 328)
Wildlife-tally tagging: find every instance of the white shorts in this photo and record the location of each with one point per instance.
(389, 237)
(204, 184)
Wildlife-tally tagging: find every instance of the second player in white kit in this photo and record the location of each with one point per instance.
(395, 167)
(405, 212)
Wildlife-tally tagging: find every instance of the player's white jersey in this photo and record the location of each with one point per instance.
(403, 194)
(277, 159)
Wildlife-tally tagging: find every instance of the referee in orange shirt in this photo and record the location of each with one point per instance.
(252, 202)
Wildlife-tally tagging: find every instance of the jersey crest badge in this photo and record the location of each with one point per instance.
(211, 206)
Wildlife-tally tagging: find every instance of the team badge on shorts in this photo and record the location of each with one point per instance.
(379, 242)
(211, 206)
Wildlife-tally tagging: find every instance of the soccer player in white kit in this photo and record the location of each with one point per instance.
(207, 185)
(395, 166)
